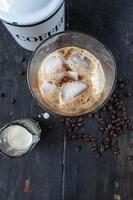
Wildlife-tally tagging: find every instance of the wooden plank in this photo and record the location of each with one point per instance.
(85, 177)
(37, 175)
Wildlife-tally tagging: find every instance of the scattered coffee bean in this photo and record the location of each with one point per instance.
(112, 124)
(22, 72)
(96, 116)
(75, 136)
(50, 126)
(11, 113)
(22, 59)
(80, 120)
(130, 158)
(125, 81)
(80, 136)
(113, 116)
(119, 80)
(93, 149)
(80, 124)
(121, 85)
(78, 148)
(102, 148)
(2, 95)
(110, 108)
(13, 101)
(116, 153)
(104, 108)
(97, 155)
(128, 94)
(62, 120)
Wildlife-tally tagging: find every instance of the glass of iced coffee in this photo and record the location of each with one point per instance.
(71, 74)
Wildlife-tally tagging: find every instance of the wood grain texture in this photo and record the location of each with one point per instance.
(53, 170)
(42, 167)
(111, 22)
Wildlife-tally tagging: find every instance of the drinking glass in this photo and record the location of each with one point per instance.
(81, 40)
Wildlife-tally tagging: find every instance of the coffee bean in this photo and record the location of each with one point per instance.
(109, 126)
(88, 140)
(80, 136)
(73, 125)
(125, 81)
(102, 149)
(119, 80)
(80, 119)
(119, 107)
(110, 108)
(93, 139)
(22, 72)
(106, 146)
(111, 132)
(124, 108)
(130, 158)
(62, 120)
(121, 102)
(121, 86)
(101, 129)
(104, 108)
(97, 116)
(2, 95)
(85, 136)
(90, 115)
(127, 121)
(128, 94)
(114, 112)
(114, 95)
(13, 101)
(111, 99)
(116, 153)
(93, 149)
(22, 59)
(102, 123)
(50, 126)
(75, 136)
(80, 124)
(78, 148)
(11, 113)
(97, 155)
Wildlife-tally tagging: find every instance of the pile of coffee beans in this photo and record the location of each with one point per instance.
(112, 121)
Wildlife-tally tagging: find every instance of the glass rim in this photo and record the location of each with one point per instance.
(78, 115)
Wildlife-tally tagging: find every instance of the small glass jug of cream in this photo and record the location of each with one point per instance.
(18, 137)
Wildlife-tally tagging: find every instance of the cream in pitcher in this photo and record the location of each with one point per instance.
(30, 22)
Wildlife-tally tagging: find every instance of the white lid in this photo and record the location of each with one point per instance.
(25, 12)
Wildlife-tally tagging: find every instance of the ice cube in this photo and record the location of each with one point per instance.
(79, 60)
(49, 87)
(71, 90)
(60, 75)
(53, 64)
(73, 75)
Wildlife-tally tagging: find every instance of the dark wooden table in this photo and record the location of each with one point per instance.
(52, 172)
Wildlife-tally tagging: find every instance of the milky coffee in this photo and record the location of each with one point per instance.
(71, 81)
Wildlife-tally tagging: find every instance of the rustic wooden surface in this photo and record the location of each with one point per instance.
(55, 173)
